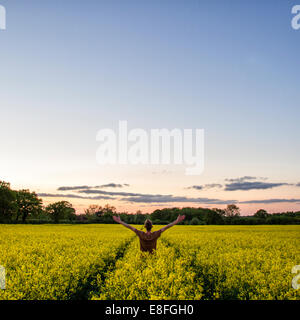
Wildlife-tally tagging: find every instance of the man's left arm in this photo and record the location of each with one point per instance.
(179, 219)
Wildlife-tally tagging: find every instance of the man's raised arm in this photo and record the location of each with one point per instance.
(179, 219)
(118, 219)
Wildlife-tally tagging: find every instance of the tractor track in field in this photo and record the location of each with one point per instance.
(86, 290)
(207, 284)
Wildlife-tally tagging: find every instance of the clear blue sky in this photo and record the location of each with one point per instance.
(69, 68)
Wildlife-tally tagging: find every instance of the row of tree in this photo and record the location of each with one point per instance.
(194, 216)
(230, 215)
(18, 205)
(25, 206)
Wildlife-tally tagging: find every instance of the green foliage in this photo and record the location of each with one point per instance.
(61, 210)
(262, 214)
(195, 221)
(8, 205)
(23, 203)
(214, 217)
(28, 203)
(232, 211)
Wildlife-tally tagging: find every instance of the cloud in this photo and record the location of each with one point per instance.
(213, 185)
(165, 200)
(111, 193)
(245, 178)
(155, 198)
(109, 185)
(206, 186)
(114, 185)
(196, 187)
(171, 199)
(268, 201)
(73, 196)
(252, 185)
(72, 188)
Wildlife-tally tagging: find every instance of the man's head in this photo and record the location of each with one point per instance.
(148, 225)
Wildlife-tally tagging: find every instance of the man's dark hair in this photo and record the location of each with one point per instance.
(148, 225)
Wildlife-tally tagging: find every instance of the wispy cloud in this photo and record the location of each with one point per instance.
(137, 197)
(245, 178)
(111, 193)
(73, 196)
(159, 199)
(252, 185)
(206, 186)
(72, 188)
(109, 185)
(268, 201)
(244, 183)
(171, 199)
(155, 198)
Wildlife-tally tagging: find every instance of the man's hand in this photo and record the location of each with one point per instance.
(180, 218)
(117, 219)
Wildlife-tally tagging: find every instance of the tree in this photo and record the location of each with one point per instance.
(27, 203)
(92, 210)
(215, 216)
(220, 212)
(261, 213)
(108, 210)
(157, 215)
(232, 211)
(61, 210)
(195, 221)
(7, 202)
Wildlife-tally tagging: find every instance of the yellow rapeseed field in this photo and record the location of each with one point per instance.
(57, 262)
(191, 262)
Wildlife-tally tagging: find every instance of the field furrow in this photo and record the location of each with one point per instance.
(162, 275)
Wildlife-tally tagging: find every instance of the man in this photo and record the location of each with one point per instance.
(148, 239)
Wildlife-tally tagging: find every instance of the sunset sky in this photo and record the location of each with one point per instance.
(70, 68)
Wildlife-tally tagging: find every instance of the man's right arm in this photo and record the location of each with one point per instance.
(118, 220)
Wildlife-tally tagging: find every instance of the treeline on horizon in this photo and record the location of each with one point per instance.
(24, 206)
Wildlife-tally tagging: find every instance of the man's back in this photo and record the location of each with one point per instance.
(148, 240)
